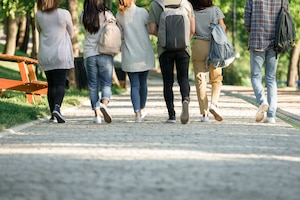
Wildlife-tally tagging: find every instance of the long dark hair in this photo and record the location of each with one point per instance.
(201, 4)
(91, 9)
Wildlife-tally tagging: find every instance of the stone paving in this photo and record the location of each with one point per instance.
(236, 159)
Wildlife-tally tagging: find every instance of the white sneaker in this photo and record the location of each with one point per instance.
(205, 119)
(261, 111)
(143, 113)
(216, 113)
(97, 120)
(104, 111)
(270, 120)
(138, 119)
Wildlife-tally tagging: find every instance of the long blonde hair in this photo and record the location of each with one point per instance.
(124, 5)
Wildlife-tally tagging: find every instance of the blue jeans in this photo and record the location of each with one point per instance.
(99, 74)
(257, 59)
(138, 89)
(181, 59)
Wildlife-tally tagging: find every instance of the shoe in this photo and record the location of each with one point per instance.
(184, 117)
(97, 120)
(261, 112)
(53, 119)
(104, 111)
(138, 119)
(205, 119)
(171, 120)
(56, 113)
(216, 113)
(143, 113)
(270, 120)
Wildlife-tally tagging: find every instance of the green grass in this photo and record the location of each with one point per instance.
(15, 109)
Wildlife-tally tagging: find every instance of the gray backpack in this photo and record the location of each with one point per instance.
(174, 26)
(221, 52)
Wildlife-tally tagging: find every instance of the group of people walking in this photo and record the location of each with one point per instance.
(136, 24)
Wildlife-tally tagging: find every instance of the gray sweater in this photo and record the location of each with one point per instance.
(55, 46)
(137, 51)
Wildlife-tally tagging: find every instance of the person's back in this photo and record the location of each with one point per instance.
(206, 14)
(168, 58)
(137, 53)
(260, 20)
(55, 56)
(99, 67)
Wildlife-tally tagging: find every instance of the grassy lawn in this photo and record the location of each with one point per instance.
(14, 108)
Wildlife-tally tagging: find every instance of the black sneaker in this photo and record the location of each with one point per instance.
(171, 120)
(56, 113)
(53, 119)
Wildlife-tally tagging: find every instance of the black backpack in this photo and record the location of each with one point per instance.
(285, 33)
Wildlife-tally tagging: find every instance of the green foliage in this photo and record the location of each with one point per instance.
(16, 7)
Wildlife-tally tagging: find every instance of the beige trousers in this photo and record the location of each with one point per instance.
(200, 51)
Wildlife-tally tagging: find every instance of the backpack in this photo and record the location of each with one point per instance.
(174, 27)
(110, 38)
(285, 33)
(221, 53)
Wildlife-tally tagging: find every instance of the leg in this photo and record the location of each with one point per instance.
(167, 68)
(182, 67)
(200, 52)
(215, 78)
(257, 60)
(105, 63)
(143, 88)
(135, 91)
(270, 77)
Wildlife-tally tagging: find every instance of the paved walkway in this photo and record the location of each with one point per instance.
(236, 159)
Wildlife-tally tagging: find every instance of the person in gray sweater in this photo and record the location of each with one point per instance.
(137, 52)
(55, 55)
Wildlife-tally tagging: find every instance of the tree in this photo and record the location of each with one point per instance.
(11, 11)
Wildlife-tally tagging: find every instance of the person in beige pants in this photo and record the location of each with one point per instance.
(205, 14)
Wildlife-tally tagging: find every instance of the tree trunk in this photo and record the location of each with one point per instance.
(23, 33)
(293, 77)
(11, 36)
(35, 36)
(72, 5)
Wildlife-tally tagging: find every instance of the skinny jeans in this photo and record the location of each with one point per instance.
(168, 60)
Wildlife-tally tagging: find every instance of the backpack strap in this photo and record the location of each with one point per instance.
(162, 4)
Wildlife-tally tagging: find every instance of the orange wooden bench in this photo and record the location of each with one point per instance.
(29, 83)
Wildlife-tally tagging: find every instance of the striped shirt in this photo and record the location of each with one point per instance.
(260, 20)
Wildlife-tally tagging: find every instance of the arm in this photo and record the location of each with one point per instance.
(247, 15)
(70, 28)
(192, 27)
(153, 28)
(221, 22)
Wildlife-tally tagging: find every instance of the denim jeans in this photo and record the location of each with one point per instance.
(181, 59)
(257, 59)
(138, 89)
(99, 74)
